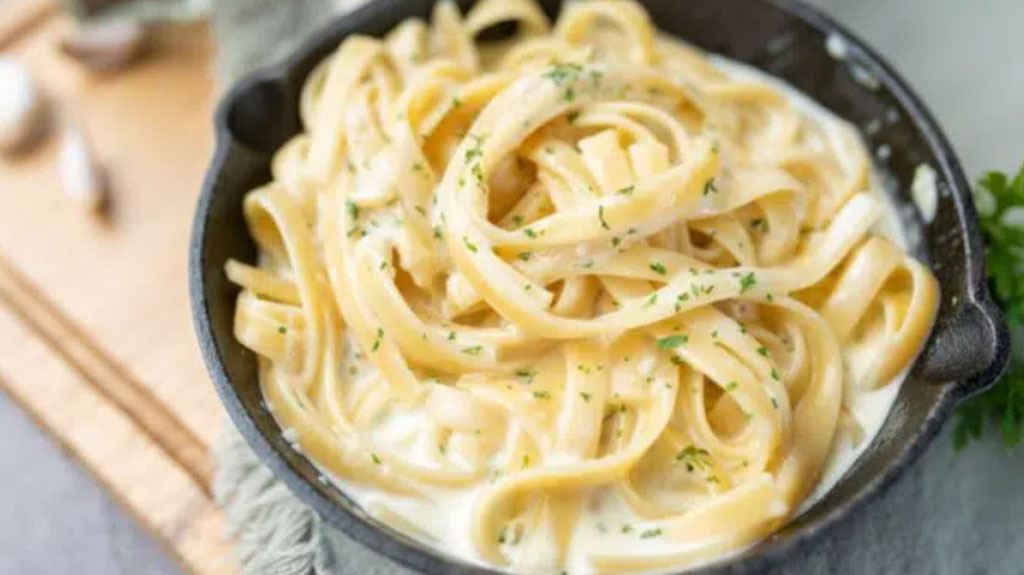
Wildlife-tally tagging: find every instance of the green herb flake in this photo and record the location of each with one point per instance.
(649, 533)
(282, 329)
(673, 341)
(585, 396)
(469, 245)
(694, 458)
(600, 216)
(526, 375)
(710, 187)
(731, 386)
(376, 460)
(473, 350)
(562, 73)
(747, 282)
(627, 191)
(525, 256)
(541, 394)
(658, 268)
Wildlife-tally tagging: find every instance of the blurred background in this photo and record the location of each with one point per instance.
(66, 318)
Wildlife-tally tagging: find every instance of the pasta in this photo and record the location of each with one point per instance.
(583, 300)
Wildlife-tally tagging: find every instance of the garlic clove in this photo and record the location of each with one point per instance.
(107, 45)
(81, 176)
(21, 108)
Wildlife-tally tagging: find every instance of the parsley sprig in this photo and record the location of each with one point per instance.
(997, 195)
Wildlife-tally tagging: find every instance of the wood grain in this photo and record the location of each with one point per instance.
(95, 332)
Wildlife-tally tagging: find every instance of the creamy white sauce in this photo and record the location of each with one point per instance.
(609, 523)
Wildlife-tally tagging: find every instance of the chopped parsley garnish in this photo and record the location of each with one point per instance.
(585, 396)
(469, 245)
(564, 74)
(694, 458)
(541, 394)
(710, 187)
(600, 216)
(627, 191)
(353, 209)
(438, 233)
(763, 351)
(525, 256)
(473, 350)
(526, 375)
(775, 374)
(673, 341)
(376, 460)
(530, 233)
(731, 386)
(649, 533)
(376, 342)
(282, 329)
(651, 300)
(747, 281)
(658, 268)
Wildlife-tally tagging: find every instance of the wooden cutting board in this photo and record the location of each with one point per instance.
(96, 341)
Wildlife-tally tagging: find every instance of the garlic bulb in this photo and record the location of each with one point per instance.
(21, 109)
(81, 175)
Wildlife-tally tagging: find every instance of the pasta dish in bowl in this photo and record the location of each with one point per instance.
(586, 299)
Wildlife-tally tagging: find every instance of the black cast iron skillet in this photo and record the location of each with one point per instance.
(967, 350)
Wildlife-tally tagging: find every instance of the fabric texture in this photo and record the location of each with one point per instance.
(950, 514)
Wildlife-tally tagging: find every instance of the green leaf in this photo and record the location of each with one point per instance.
(1003, 404)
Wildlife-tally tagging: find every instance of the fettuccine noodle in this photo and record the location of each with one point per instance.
(582, 299)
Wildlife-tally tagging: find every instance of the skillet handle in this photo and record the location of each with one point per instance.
(969, 348)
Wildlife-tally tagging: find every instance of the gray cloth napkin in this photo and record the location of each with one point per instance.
(950, 514)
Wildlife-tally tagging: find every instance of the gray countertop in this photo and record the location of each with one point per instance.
(964, 58)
